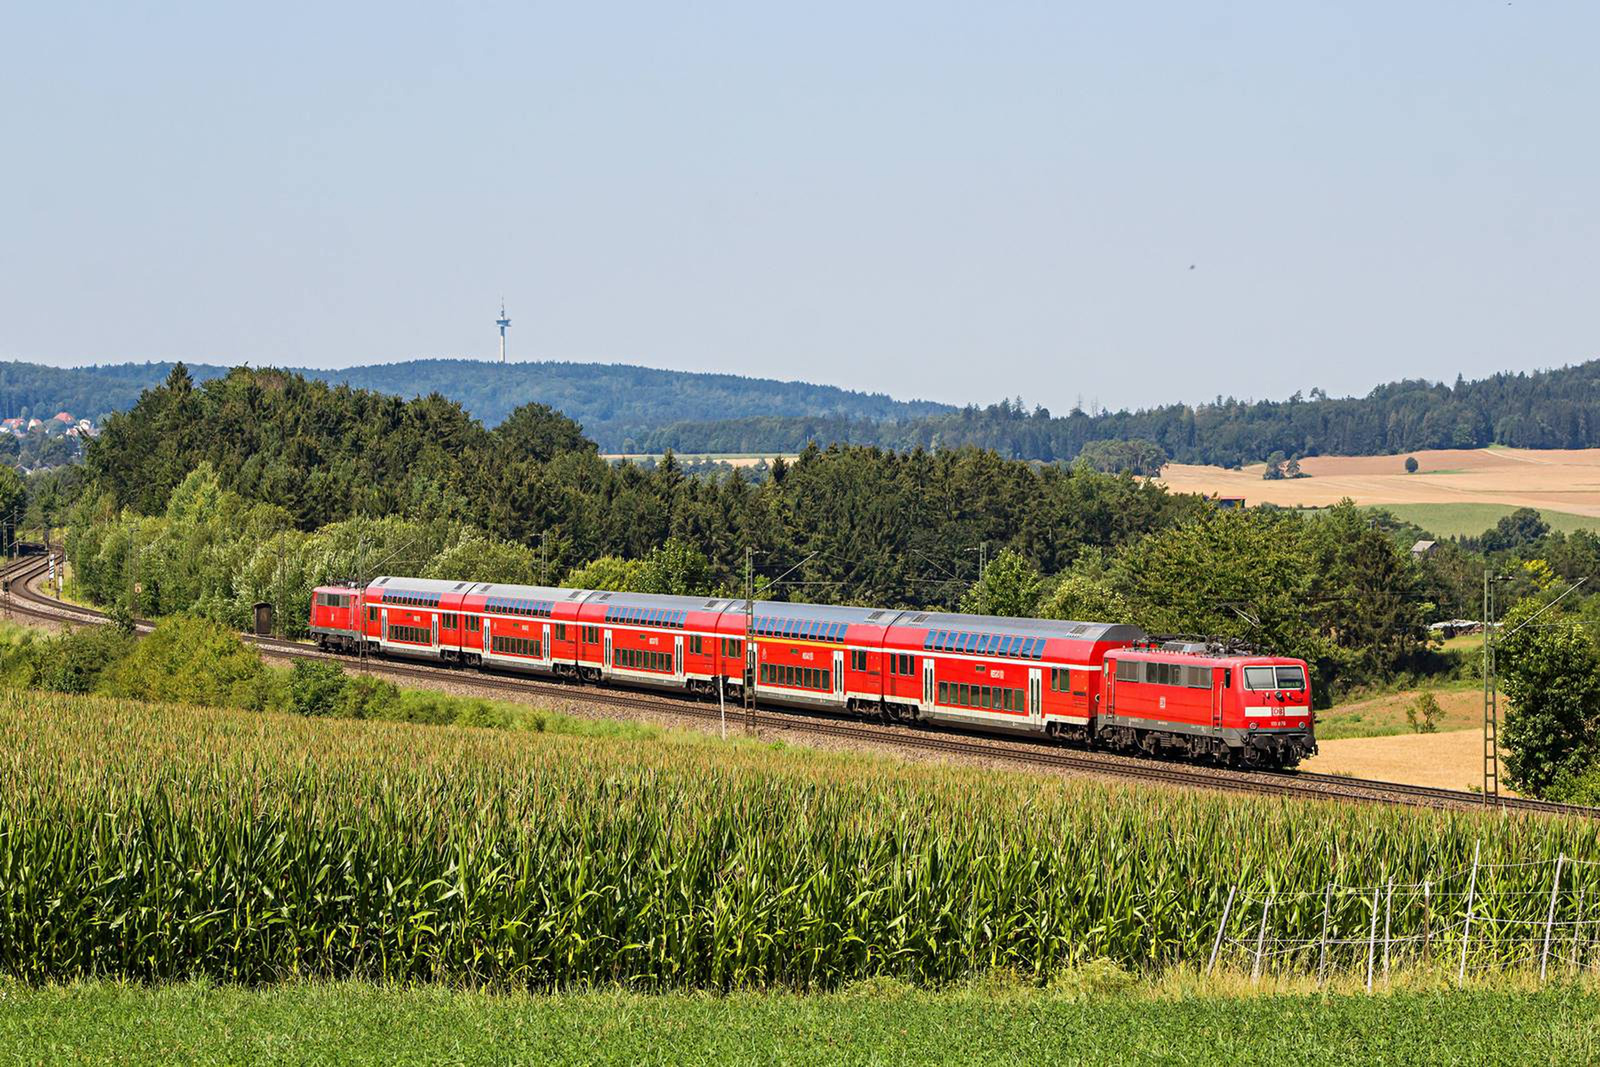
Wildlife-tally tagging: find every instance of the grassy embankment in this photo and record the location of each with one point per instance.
(357, 1024)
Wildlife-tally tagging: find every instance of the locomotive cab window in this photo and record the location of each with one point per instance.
(1274, 678)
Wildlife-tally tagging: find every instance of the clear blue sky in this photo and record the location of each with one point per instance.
(956, 201)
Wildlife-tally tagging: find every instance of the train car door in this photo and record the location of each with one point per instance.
(1216, 699)
(484, 636)
(838, 673)
(927, 684)
(1035, 694)
(383, 630)
(549, 653)
(751, 651)
(435, 629)
(677, 656)
(605, 661)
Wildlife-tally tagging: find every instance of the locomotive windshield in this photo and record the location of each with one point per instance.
(1275, 677)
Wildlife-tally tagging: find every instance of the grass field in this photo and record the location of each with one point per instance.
(1453, 492)
(1470, 520)
(359, 1025)
(1460, 707)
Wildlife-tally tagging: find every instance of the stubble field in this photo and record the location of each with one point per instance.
(1453, 491)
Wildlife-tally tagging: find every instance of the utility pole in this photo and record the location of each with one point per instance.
(1491, 692)
(544, 542)
(749, 650)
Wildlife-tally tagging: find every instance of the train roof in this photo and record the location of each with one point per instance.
(440, 586)
(662, 600)
(1003, 624)
(783, 609)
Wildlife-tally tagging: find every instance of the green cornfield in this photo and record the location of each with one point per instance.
(152, 843)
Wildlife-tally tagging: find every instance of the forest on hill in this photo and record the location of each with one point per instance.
(617, 405)
(1542, 409)
(631, 409)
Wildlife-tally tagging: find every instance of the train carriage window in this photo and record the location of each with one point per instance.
(1127, 671)
(944, 692)
(447, 621)
(560, 631)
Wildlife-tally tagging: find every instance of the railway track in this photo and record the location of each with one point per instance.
(25, 599)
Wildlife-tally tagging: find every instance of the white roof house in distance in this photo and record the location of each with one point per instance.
(1424, 548)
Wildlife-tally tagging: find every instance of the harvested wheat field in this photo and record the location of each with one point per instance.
(1565, 484)
(1452, 760)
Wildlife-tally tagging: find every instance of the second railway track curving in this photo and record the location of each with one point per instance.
(25, 571)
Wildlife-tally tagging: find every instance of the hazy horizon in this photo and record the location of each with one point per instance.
(912, 397)
(1130, 204)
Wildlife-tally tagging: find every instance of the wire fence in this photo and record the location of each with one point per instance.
(1454, 920)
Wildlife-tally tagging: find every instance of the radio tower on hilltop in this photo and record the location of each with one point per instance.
(502, 322)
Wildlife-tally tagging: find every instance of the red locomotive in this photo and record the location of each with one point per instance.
(1103, 684)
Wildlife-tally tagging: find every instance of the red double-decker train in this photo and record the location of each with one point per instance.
(1102, 684)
